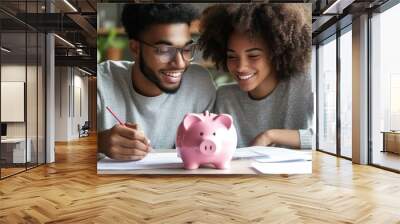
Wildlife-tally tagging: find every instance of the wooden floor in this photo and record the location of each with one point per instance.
(70, 191)
(8, 171)
(5, 172)
(387, 159)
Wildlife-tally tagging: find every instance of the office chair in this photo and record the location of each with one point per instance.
(84, 130)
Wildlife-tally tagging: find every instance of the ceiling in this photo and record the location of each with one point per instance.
(72, 20)
(75, 21)
(325, 13)
(329, 16)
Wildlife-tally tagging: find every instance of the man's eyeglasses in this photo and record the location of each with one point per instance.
(167, 53)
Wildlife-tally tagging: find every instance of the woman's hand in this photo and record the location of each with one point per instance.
(286, 137)
(263, 139)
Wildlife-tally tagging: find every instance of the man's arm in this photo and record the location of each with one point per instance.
(123, 142)
(102, 140)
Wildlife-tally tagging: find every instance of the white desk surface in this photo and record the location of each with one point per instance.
(238, 166)
(13, 140)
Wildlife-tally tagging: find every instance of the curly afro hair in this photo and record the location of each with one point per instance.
(286, 29)
(136, 18)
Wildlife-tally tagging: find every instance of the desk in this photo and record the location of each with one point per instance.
(391, 141)
(13, 150)
(238, 166)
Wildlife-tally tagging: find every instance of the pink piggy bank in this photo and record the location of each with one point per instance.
(206, 139)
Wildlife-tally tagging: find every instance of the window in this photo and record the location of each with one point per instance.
(346, 93)
(385, 86)
(327, 96)
(22, 67)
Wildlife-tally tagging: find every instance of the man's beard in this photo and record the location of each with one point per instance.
(152, 77)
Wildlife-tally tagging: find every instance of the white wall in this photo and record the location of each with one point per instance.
(12, 101)
(61, 103)
(70, 83)
(80, 100)
(13, 73)
(33, 126)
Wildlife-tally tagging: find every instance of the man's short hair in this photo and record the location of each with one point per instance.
(136, 18)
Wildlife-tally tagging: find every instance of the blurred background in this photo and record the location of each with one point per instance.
(112, 41)
(47, 79)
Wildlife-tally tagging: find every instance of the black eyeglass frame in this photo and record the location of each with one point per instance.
(176, 50)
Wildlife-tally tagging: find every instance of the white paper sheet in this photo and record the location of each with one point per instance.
(155, 160)
(246, 153)
(168, 160)
(275, 154)
(276, 151)
(284, 158)
(299, 167)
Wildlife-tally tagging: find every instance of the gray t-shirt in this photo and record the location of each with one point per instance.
(289, 106)
(160, 116)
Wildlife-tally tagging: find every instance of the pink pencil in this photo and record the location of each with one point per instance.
(115, 116)
(120, 122)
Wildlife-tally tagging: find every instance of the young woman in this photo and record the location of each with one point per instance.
(267, 49)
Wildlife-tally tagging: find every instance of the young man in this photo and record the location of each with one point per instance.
(152, 94)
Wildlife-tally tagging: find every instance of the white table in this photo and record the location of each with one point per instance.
(17, 147)
(238, 166)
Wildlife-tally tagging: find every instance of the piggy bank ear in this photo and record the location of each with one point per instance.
(224, 119)
(190, 119)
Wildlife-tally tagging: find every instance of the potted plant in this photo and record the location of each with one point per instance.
(111, 47)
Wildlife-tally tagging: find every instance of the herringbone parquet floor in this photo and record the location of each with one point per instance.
(70, 191)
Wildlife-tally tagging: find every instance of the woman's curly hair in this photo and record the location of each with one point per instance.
(286, 29)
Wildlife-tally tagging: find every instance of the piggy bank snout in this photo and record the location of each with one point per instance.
(208, 147)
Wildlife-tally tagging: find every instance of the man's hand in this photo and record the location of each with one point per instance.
(125, 142)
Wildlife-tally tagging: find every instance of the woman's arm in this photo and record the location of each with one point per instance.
(285, 137)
